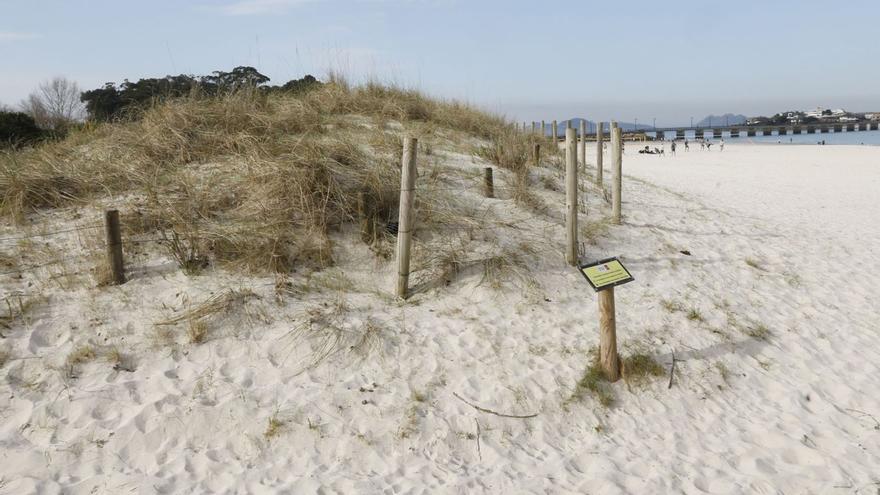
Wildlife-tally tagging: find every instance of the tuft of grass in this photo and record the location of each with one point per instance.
(723, 371)
(510, 265)
(755, 264)
(694, 314)
(17, 307)
(758, 331)
(591, 230)
(274, 427)
(78, 357)
(638, 368)
(188, 252)
(671, 306)
(197, 331)
(594, 383)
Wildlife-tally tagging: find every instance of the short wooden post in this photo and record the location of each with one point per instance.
(555, 130)
(114, 247)
(599, 139)
(365, 218)
(617, 169)
(608, 358)
(543, 129)
(405, 218)
(534, 125)
(571, 253)
(583, 150)
(536, 154)
(488, 185)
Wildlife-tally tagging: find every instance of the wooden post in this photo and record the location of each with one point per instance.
(405, 218)
(555, 130)
(571, 254)
(543, 129)
(568, 124)
(583, 151)
(599, 139)
(365, 218)
(608, 358)
(534, 125)
(488, 185)
(536, 154)
(114, 247)
(616, 167)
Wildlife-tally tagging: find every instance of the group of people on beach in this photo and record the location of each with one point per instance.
(705, 144)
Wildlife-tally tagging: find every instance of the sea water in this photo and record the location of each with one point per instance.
(867, 138)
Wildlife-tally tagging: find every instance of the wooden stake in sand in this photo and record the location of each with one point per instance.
(571, 201)
(488, 184)
(608, 358)
(599, 139)
(405, 218)
(114, 247)
(617, 168)
(536, 154)
(555, 129)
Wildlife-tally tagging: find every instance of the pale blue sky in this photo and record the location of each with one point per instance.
(528, 59)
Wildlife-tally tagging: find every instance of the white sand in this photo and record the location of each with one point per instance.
(790, 413)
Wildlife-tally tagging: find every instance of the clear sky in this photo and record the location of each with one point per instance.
(531, 60)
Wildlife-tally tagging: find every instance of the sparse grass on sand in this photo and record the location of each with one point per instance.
(636, 369)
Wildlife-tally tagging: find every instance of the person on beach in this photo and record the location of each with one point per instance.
(721, 145)
(702, 144)
(673, 149)
(708, 145)
(686, 148)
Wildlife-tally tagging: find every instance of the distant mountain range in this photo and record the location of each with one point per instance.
(710, 120)
(722, 120)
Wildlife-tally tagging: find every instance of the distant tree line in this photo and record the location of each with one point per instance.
(58, 105)
(116, 101)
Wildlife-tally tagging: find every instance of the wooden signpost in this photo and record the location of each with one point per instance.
(603, 276)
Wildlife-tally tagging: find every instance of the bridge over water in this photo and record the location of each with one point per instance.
(717, 132)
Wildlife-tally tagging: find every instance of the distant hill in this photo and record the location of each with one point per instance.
(721, 120)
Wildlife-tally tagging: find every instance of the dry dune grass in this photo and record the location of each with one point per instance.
(247, 179)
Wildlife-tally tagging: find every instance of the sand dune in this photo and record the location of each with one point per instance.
(772, 319)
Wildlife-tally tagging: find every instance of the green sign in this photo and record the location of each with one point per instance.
(605, 274)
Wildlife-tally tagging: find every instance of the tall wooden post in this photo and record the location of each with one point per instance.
(555, 130)
(488, 184)
(405, 218)
(599, 139)
(583, 150)
(533, 127)
(114, 247)
(608, 358)
(571, 197)
(616, 166)
(536, 154)
(543, 129)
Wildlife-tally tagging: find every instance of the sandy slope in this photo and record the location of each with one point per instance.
(775, 390)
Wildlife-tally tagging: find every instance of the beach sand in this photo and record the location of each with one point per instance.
(772, 319)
